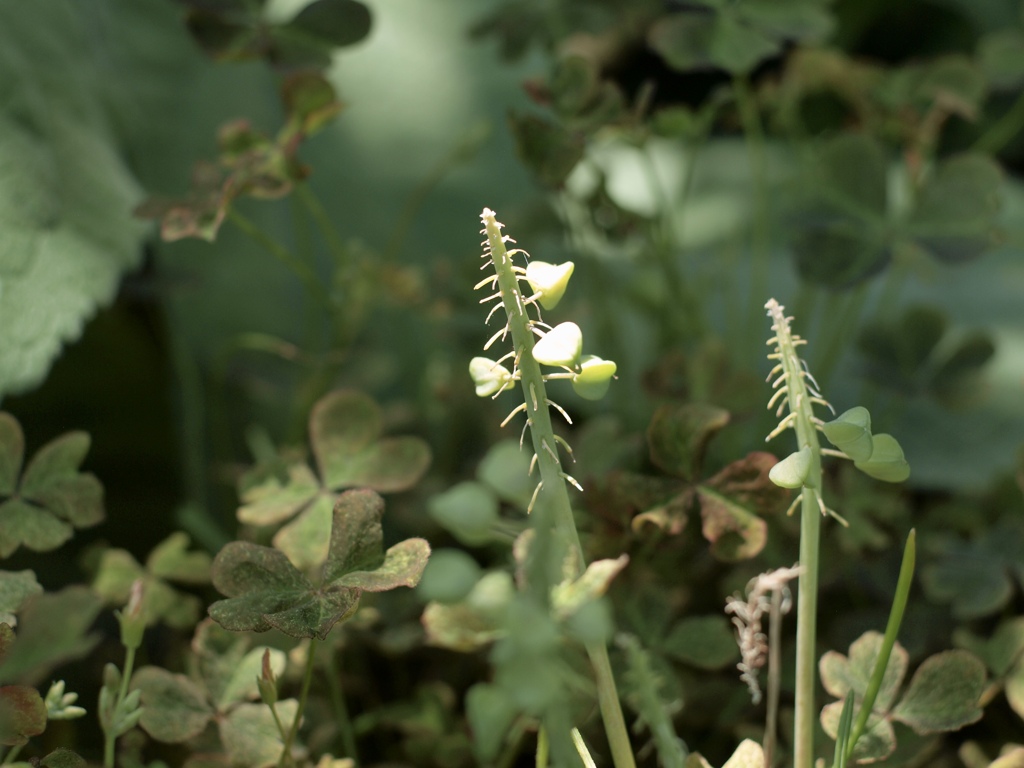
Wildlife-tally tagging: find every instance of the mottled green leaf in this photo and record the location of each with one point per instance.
(15, 588)
(171, 560)
(63, 758)
(265, 590)
(250, 735)
(173, 707)
(840, 674)
(22, 714)
(706, 642)
(272, 502)
(1001, 650)
(344, 428)
(306, 538)
(23, 524)
(943, 694)
(678, 435)
(877, 742)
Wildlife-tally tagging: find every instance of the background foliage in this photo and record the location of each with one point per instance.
(860, 161)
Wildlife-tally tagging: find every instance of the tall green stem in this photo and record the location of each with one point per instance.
(286, 750)
(553, 497)
(801, 418)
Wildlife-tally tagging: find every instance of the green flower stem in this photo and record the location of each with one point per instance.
(13, 753)
(802, 415)
(341, 715)
(554, 496)
(307, 678)
(299, 268)
(110, 738)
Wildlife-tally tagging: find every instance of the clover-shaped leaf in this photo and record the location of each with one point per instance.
(1003, 654)
(223, 672)
(52, 497)
(345, 433)
(956, 211)
(918, 353)
(170, 561)
(975, 576)
(839, 230)
(265, 590)
(943, 694)
(474, 622)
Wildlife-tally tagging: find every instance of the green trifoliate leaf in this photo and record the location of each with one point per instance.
(944, 693)
(52, 497)
(793, 470)
(266, 591)
(561, 346)
(488, 376)
(549, 280)
(887, 462)
(851, 433)
(594, 377)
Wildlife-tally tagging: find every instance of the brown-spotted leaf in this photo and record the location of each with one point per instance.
(174, 708)
(735, 533)
(678, 435)
(746, 482)
(344, 429)
(22, 714)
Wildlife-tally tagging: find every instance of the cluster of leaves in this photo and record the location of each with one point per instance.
(250, 163)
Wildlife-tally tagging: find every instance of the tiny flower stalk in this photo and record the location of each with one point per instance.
(879, 456)
(535, 344)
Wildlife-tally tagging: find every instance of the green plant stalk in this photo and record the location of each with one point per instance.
(892, 628)
(13, 753)
(341, 715)
(802, 418)
(771, 722)
(283, 255)
(554, 495)
(110, 739)
(307, 678)
(1004, 130)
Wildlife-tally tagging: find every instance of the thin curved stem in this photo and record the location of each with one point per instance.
(307, 678)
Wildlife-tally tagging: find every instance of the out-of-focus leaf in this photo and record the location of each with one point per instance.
(735, 533)
(975, 576)
(52, 497)
(678, 435)
(15, 588)
(22, 714)
(943, 694)
(706, 642)
(549, 151)
(317, 30)
(468, 511)
(51, 631)
(173, 707)
(474, 622)
(838, 230)
(1000, 59)
(250, 735)
(955, 215)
